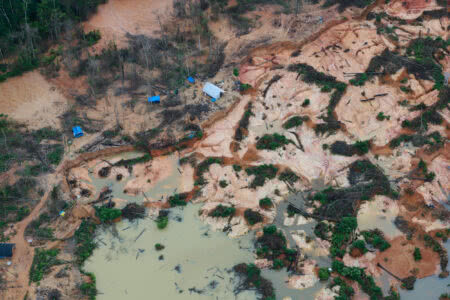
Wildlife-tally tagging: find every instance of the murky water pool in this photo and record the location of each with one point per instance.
(195, 263)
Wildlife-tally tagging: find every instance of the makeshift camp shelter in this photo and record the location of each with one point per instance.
(77, 132)
(6, 250)
(212, 90)
(154, 99)
(191, 79)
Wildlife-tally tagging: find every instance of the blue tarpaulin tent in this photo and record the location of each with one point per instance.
(154, 99)
(213, 99)
(212, 90)
(6, 250)
(191, 79)
(77, 132)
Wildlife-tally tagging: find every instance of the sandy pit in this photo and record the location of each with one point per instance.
(116, 18)
(32, 100)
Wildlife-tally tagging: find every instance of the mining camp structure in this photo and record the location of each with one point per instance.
(6, 250)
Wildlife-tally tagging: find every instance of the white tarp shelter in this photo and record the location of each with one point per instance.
(212, 90)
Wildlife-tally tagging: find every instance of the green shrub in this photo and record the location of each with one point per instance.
(375, 238)
(324, 274)
(237, 168)
(106, 214)
(223, 184)
(89, 288)
(92, 37)
(265, 202)
(278, 264)
(55, 156)
(381, 117)
(178, 200)
(417, 255)
(362, 146)
(159, 247)
(271, 229)
(84, 239)
(288, 176)
(221, 211)
(294, 122)
(359, 244)
(162, 221)
(261, 173)
(272, 142)
(252, 217)
(236, 72)
(306, 103)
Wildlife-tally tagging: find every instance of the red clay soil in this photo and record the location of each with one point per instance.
(400, 261)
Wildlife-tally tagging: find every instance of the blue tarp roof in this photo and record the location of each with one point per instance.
(6, 250)
(77, 131)
(191, 79)
(212, 90)
(154, 99)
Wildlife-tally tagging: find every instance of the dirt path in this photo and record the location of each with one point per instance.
(24, 253)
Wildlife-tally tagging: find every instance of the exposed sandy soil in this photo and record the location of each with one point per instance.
(410, 9)
(116, 18)
(399, 258)
(282, 100)
(31, 99)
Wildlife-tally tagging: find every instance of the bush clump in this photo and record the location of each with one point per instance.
(261, 173)
(159, 247)
(265, 203)
(366, 282)
(84, 239)
(106, 214)
(375, 237)
(288, 176)
(221, 211)
(162, 221)
(251, 278)
(272, 142)
(242, 129)
(294, 122)
(252, 217)
(324, 274)
(417, 255)
(178, 199)
(359, 244)
(342, 233)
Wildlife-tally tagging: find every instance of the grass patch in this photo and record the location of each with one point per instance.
(43, 260)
